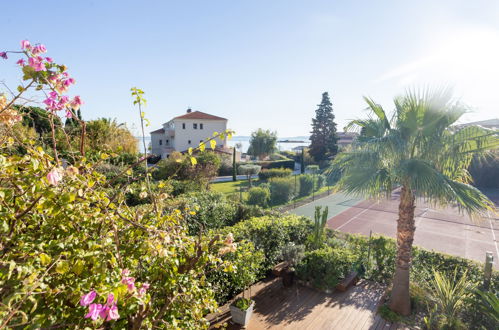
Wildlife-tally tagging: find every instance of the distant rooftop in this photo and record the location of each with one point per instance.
(489, 123)
(158, 131)
(199, 115)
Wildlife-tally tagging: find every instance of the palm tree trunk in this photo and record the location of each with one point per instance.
(400, 299)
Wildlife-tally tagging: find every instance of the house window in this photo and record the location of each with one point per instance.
(195, 126)
(183, 125)
(160, 142)
(167, 141)
(189, 142)
(200, 126)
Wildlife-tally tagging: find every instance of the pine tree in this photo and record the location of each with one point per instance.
(323, 139)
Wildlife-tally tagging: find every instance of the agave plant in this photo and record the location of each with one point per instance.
(420, 151)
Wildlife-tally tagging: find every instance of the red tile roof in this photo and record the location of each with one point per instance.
(199, 115)
(160, 131)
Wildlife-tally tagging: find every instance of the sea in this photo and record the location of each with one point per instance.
(283, 144)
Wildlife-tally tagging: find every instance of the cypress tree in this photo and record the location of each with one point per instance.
(323, 143)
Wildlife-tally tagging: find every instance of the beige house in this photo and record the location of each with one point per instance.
(186, 131)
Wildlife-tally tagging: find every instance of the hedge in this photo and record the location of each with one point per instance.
(324, 267)
(277, 164)
(259, 196)
(267, 174)
(282, 190)
(307, 184)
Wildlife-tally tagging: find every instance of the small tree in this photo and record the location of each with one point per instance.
(249, 170)
(262, 143)
(323, 139)
(234, 169)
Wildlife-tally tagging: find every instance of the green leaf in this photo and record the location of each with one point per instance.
(45, 259)
(62, 267)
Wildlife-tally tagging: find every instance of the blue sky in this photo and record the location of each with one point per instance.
(261, 63)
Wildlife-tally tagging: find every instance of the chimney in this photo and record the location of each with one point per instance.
(189, 110)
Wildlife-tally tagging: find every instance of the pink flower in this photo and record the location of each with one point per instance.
(36, 63)
(21, 62)
(53, 95)
(49, 59)
(76, 103)
(39, 49)
(54, 176)
(4, 55)
(143, 289)
(69, 114)
(110, 299)
(88, 298)
(130, 282)
(109, 313)
(94, 311)
(25, 44)
(125, 272)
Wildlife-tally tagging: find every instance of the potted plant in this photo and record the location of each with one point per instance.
(292, 254)
(241, 310)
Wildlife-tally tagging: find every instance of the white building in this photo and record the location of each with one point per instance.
(186, 131)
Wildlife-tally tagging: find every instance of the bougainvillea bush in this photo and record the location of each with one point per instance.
(72, 253)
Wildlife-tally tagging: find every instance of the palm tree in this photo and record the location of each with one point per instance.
(419, 151)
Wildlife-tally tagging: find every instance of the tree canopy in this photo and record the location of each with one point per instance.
(262, 143)
(323, 141)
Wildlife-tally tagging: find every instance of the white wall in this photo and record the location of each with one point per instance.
(182, 136)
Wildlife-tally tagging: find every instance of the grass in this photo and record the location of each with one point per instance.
(231, 188)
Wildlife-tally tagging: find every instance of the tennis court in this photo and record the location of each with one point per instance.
(444, 230)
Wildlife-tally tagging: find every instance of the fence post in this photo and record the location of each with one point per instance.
(487, 271)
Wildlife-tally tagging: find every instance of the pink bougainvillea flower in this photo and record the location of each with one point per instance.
(69, 114)
(4, 55)
(112, 313)
(21, 62)
(130, 283)
(49, 59)
(76, 103)
(109, 313)
(125, 272)
(25, 44)
(110, 299)
(36, 63)
(94, 311)
(54, 176)
(88, 298)
(39, 49)
(143, 289)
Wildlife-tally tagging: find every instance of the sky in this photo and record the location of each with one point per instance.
(260, 63)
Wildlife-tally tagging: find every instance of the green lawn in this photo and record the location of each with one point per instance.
(232, 187)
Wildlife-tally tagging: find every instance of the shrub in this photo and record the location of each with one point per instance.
(324, 268)
(267, 174)
(282, 190)
(258, 196)
(179, 166)
(306, 184)
(245, 260)
(205, 210)
(269, 234)
(249, 170)
(321, 181)
(277, 164)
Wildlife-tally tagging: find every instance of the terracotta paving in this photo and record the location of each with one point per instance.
(303, 308)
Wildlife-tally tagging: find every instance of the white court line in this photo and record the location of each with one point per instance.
(494, 236)
(353, 218)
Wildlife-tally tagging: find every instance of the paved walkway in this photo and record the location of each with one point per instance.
(444, 230)
(302, 308)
